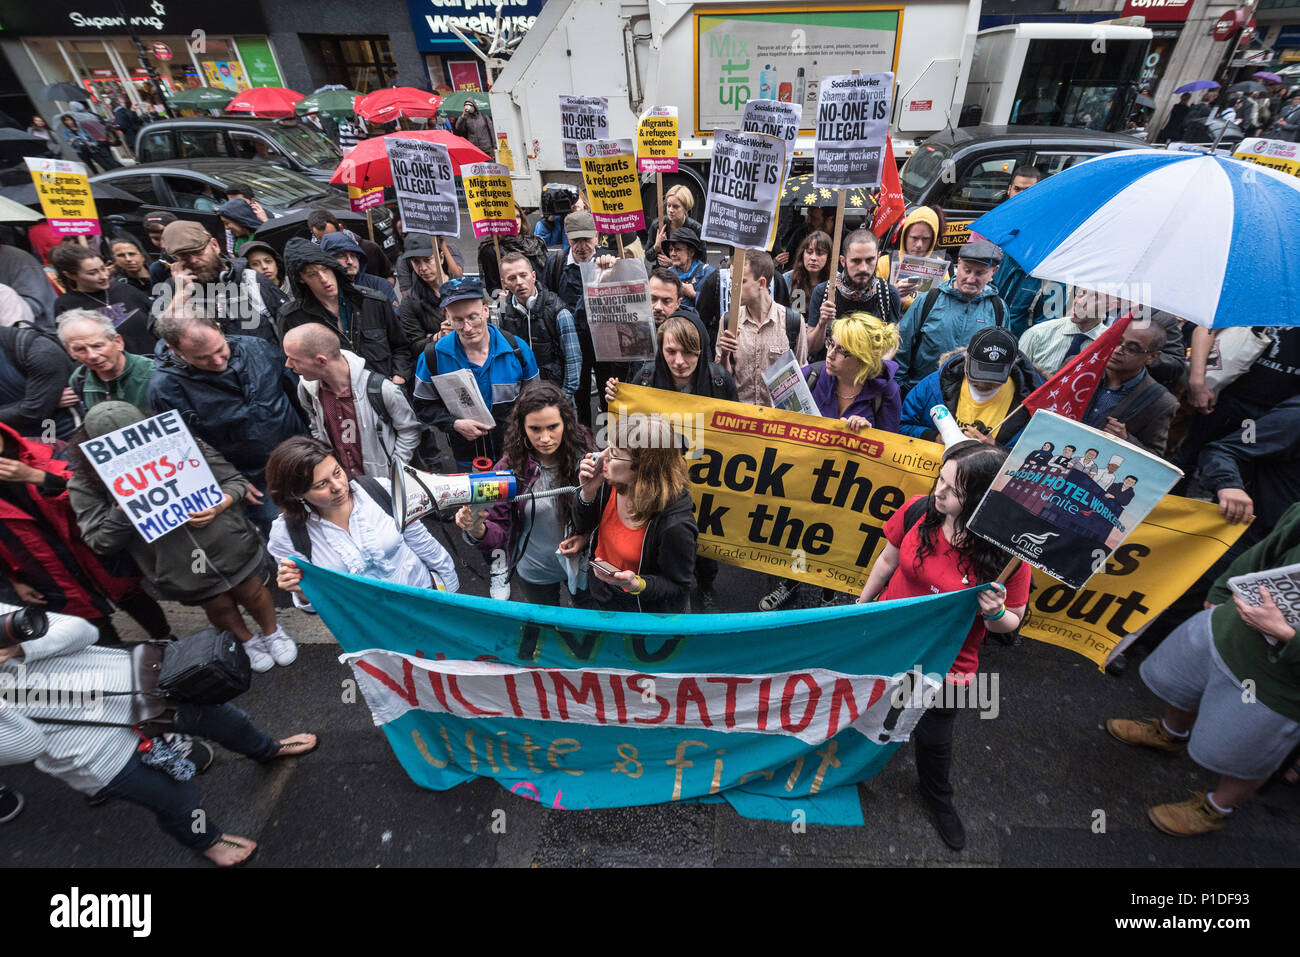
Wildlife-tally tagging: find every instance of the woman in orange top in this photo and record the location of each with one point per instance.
(635, 499)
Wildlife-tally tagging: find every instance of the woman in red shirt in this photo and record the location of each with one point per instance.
(937, 554)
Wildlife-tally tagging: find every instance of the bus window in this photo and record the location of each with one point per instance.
(1066, 82)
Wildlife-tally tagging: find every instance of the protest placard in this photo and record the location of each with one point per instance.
(618, 310)
(156, 472)
(813, 509)
(491, 199)
(925, 270)
(425, 182)
(581, 118)
(656, 141)
(1068, 495)
(360, 200)
(1277, 154)
(852, 126)
(774, 118)
(787, 386)
(744, 189)
(66, 201)
(613, 185)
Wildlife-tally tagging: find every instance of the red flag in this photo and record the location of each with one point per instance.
(889, 203)
(1070, 391)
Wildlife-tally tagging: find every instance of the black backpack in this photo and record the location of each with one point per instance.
(931, 297)
(374, 488)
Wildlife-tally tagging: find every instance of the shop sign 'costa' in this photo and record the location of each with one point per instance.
(1158, 11)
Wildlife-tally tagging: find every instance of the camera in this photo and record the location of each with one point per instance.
(22, 625)
(558, 199)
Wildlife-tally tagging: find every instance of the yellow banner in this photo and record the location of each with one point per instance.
(613, 184)
(1275, 154)
(66, 200)
(805, 498)
(656, 141)
(490, 196)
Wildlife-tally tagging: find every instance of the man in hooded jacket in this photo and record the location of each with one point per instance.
(353, 259)
(363, 319)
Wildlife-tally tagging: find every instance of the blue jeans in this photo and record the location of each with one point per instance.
(177, 804)
(263, 514)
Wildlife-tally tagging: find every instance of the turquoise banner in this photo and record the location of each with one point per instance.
(776, 712)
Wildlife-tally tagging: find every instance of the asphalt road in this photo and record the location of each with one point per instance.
(1035, 786)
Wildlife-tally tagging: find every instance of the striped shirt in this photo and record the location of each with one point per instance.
(759, 344)
(84, 757)
(1046, 343)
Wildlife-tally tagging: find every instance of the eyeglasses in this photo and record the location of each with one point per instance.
(835, 349)
(1133, 349)
(473, 319)
(619, 458)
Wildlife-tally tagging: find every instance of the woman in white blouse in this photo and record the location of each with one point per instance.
(347, 529)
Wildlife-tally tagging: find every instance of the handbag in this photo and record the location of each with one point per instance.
(207, 667)
(1235, 350)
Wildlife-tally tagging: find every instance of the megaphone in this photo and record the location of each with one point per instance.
(949, 432)
(417, 494)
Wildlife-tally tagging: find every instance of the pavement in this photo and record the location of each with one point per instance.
(1041, 784)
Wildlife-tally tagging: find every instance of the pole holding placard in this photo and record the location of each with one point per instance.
(737, 276)
(370, 224)
(659, 187)
(496, 245)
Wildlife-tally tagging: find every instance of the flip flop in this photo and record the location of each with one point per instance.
(229, 843)
(295, 749)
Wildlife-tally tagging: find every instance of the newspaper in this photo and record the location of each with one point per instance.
(928, 271)
(784, 380)
(1283, 585)
(618, 311)
(459, 392)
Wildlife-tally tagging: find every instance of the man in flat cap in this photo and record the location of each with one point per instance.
(946, 318)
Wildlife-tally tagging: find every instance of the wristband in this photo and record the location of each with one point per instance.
(1001, 611)
(638, 586)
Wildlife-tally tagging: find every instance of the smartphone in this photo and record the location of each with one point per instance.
(601, 565)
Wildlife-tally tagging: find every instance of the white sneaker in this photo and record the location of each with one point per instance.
(500, 586)
(283, 648)
(259, 656)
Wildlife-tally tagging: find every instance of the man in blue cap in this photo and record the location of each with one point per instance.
(500, 363)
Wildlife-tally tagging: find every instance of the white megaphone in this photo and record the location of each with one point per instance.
(417, 494)
(949, 431)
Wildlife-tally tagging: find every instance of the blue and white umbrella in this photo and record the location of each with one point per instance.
(1211, 239)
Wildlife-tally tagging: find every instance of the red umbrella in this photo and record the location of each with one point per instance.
(386, 106)
(265, 101)
(366, 166)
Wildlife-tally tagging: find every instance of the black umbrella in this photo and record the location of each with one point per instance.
(280, 230)
(15, 144)
(108, 199)
(1247, 86)
(1145, 102)
(64, 91)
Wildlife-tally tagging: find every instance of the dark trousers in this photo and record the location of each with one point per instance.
(145, 610)
(176, 803)
(933, 740)
(706, 572)
(535, 594)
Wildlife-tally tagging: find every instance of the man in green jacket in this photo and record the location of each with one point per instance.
(107, 372)
(1230, 677)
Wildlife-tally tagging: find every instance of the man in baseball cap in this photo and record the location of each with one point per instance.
(946, 318)
(980, 385)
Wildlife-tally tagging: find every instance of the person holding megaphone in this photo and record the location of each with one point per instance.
(345, 526)
(544, 445)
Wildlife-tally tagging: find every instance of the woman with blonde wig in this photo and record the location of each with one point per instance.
(856, 380)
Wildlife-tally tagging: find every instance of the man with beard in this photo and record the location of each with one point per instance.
(205, 283)
(539, 318)
(858, 289)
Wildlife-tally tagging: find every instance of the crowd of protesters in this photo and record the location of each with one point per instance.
(305, 371)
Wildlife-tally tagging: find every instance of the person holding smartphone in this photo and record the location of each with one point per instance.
(636, 502)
